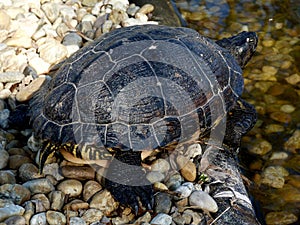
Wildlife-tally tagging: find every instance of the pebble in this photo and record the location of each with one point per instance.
(11, 76)
(57, 199)
(274, 128)
(187, 168)
(260, 147)
(28, 171)
(15, 193)
(27, 92)
(280, 218)
(163, 203)
(90, 188)
(185, 190)
(174, 181)
(203, 201)
(92, 215)
(7, 177)
(274, 176)
(39, 219)
(155, 176)
(287, 108)
(41, 185)
(281, 117)
(162, 219)
(11, 210)
(160, 165)
(70, 187)
(293, 143)
(104, 201)
(55, 218)
(52, 51)
(4, 156)
(74, 220)
(15, 220)
(15, 161)
(145, 9)
(42, 200)
(4, 20)
(279, 156)
(78, 172)
(293, 79)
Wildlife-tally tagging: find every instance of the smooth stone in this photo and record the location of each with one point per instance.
(51, 10)
(274, 128)
(146, 9)
(53, 170)
(4, 156)
(144, 219)
(4, 115)
(104, 201)
(74, 220)
(42, 200)
(57, 199)
(193, 216)
(15, 161)
(55, 218)
(52, 51)
(15, 192)
(90, 188)
(287, 108)
(293, 79)
(185, 190)
(279, 156)
(78, 172)
(89, 2)
(15, 220)
(193, 151)
(70, 187)
(11, 76)
(72, 39)
(161, 219)
(155, 176)
(203, 201)
(5, 93)
(28, 171)
(187, 168)
(174, 181)
(132, 9)
(273, 176)
(260, 147)
(281, 117)
(163, 203)
(19, 39)
(41, 185)
(289, 194)
(11, 210)
(92, 215)
(160, 165)
(7, 177)
(160, 186)
(280, 218)
(293, 143)
(39, 219)
(27, 92)
(40, 65)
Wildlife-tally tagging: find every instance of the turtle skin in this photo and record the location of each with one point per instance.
(142, 88)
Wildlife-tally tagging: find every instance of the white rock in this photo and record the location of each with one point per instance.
(77, 221)
(185, 190)
(39, 65)
(71, 187)
(5, 93)
(11, 77)
(193, 151)
(38, 219)
(27, 92)
(51, 10)
(4, 20)
(67, 13)
(161, 219)
(203, 200)
(52, 51)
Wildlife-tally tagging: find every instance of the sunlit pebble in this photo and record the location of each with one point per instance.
(287, 108)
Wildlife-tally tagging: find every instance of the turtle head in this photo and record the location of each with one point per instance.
(241, 46)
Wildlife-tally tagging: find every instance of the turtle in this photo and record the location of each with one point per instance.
(142, 88)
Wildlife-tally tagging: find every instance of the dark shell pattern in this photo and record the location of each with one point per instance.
(138, 88)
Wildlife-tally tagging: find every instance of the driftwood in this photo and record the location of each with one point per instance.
(227, 187)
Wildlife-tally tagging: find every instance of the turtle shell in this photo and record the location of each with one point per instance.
(139, 88)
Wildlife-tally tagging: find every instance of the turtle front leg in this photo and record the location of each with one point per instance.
(126, 180)
(240, 120)
(47, 151)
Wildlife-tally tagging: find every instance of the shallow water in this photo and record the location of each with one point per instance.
(270, 158)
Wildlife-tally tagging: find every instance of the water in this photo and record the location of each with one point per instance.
(270, 157)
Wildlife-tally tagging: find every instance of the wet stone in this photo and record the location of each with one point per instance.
(71, 187)
(273, 176)
(41, 185)
(15, 193)
(260, 147)
(11, 77)
(281, 117)
(293, 143)
(162, 203)
(203, 201)
(55, 218)
(78, 172)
